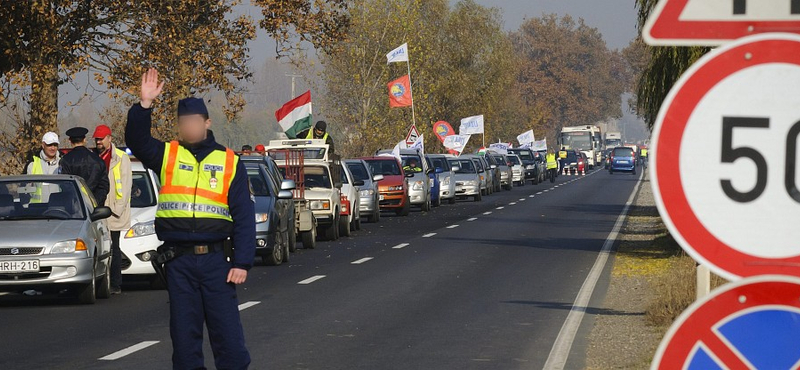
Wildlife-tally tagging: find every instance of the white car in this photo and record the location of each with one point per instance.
(351, 219)
(141, 237)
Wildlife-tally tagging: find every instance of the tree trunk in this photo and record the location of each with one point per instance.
(44, 103)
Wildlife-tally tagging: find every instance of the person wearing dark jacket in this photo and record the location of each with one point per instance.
(318, 132)
(205, 198)
(82, 161)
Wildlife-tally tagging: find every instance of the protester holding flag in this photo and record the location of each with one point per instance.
(320, 132)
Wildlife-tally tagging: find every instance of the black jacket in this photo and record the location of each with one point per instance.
(83, 162)
(242, 208)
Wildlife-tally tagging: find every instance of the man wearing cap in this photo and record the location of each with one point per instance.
(80, 161)
(318, 132)
(204, 199)
(118, 165)
(46, 162)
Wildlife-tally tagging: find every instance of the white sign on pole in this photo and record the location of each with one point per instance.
(471, 125)
(501, 148)
(456, 142)
(526, 137)
(538, 146)
(398, 55)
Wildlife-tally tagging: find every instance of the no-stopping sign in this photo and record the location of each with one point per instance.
(724, 158)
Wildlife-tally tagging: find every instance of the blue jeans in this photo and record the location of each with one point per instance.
(198, 293)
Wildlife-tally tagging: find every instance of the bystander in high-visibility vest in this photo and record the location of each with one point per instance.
(551, 161)
(311, 135)
(118, 174)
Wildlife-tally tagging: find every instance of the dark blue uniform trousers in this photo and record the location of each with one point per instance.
(198, 292)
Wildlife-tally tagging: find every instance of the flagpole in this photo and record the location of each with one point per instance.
(411, 88)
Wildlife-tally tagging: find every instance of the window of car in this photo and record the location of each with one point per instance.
(572, 156)
(440, 163)
(345, 180)
(359, 171)
(317, 177)
(465, 166)
(407, 159)
(59, 200)
(514, 160)
(478, 165)
(384, 167)
(257, 181)
(525, 155)
(142, 193)
(623, 152)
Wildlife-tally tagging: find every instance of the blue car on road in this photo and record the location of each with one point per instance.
(623, 160)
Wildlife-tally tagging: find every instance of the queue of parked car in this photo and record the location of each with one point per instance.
(302, 192)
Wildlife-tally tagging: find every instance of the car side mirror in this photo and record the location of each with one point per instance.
(288, 185)
(409, 174)
(455, 168)
(100, 213)
(285, 194)
(439, 170)
(359, 183)
(377, 178)
(493, 166)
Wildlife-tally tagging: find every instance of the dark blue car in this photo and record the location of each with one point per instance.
(623, 160)
(436, 199)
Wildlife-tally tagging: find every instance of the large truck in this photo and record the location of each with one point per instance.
(587, 139)
(613, 140)
(318, 179)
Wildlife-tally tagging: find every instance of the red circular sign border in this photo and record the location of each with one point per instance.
(702, 245)
(767, 290)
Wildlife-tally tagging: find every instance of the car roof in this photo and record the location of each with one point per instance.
(38, 178)
(380, 158)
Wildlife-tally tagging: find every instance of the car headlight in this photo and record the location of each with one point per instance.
(141, 229)
(318, 205)
(446, 181)
(396, 188)
(68, 246)
(366, 192)
(471, 183)
(417, 185)
(262, 217)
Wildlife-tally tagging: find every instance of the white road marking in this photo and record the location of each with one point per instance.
(124, 352)
(247, 305)
(311, 279)
(566, 336)
(400, 246)
(472, 219)
(530, 196)
(512, 203)
(521, 199)
(452, 226)
(360, 261)
(500, 207)
(487, 213)
(538, 193)
(428, 235)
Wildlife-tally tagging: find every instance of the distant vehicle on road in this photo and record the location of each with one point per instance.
(485, 173)
(274, 213)
(504, 167)
(367, 183)
(55, 243)
(532, 168)
(493, 168)
(586, 138)
(446, 175)
(419, 182)
(350, 204)
(613, 140)
(517, 170)
(393, 189)
(623, 159)
(467, 178)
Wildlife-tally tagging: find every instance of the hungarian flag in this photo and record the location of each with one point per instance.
(295, 116)
(400, 92)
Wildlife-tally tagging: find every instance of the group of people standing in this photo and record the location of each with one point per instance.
(107, 173)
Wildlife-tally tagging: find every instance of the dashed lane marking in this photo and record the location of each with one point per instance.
(472, 219)
(400, 246)
(247, 305)
(428, 235)
(126, 351)
(360, 261)
(311, 279)
(452, 226)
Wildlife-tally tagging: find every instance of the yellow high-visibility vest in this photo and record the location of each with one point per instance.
(118, 174)
(562, 154)
(196, 191)
(37, 169)
(551, 161)
(311, 135)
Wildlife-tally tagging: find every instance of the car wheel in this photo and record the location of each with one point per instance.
(345, 226)
(275, 256)
(292, 239)
(286, 251)
(478, 197)
(426, 207)
(358, 223)
(88, 292)
(309, 238)
(104, 289)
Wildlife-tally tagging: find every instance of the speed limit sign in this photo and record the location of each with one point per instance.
(725, 154)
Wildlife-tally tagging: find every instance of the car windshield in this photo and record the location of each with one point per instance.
(478, 164)
(358, 171)
(623, 152)
(384, 167)
(57, 200)
(466, 166)
(143, 194)
(525, 155)
(257, 181)
(514, 160)
(572, 157)
(409, 159)
(317, 177)
(498, 159)
(577, 140)
(440, 163)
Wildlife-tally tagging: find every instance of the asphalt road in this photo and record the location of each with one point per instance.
(483, 285)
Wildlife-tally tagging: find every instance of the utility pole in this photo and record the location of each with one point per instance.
(293, 76)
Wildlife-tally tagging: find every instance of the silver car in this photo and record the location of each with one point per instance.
(367, 183)
(52, 237)
(467, 178)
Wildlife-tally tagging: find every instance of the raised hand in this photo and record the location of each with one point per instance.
(151, 88)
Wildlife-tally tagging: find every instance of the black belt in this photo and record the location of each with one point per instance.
(196, 248)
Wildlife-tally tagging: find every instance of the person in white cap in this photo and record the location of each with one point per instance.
(46, 162)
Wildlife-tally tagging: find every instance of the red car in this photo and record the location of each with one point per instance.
(392, 189)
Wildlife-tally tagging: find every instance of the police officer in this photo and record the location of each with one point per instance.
(119, 197)
(204, 199)
(80, 161)
(562, 157)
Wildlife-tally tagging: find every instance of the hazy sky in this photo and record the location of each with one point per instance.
(616, 19)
